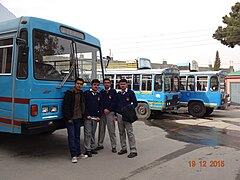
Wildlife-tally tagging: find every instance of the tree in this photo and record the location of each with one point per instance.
(230, 35)
(217, 62)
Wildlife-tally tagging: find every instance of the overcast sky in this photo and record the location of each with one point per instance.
(172, 30)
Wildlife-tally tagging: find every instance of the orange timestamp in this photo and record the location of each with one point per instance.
(209, 163)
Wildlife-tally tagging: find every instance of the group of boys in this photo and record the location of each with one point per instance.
(92, 107)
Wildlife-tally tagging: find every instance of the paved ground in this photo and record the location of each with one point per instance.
(170, 147)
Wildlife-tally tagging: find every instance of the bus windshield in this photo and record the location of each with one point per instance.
(52, 57)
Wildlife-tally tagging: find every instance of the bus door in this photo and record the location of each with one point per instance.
(6, 82)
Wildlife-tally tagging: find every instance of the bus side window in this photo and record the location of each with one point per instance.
(146, 82)
(190, 82)
(158, 83)
(214, 83)
(182, 83)
(136, 82)
(202, 83)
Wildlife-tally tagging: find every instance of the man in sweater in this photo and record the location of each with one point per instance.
(93, 103)
(124, 98)
(107, 119)
(73, 110)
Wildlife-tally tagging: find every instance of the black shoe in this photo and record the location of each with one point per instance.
(114, 150)
(94, 152)
(99, 148)
(122, 152)
(88, 153)
(132, 155)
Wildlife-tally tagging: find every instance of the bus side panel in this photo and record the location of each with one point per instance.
(21, 114)
(212, 99)
(5, 119)
(158, 102)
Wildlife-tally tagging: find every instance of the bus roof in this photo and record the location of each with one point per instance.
(46, 25)
(220, 73)
(144, 71)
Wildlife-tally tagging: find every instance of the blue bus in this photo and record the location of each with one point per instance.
(202, 92)
(39, 61)
(156, 89)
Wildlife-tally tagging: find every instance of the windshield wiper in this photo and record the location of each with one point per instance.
(73, 62)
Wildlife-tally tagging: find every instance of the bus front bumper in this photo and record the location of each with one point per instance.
(42, 126)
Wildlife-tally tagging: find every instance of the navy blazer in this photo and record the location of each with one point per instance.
(125, 99)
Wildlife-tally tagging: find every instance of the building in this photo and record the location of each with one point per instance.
(233, 87)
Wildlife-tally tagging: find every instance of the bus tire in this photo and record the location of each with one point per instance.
(209, 111)
(197, 109)
(143, 111)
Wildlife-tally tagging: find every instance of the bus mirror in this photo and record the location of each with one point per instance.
(23, 54)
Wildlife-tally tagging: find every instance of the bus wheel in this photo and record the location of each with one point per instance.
(209, 111)
(143, 111)
(196, 109)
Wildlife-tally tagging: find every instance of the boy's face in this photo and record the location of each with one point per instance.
(107, 84)
(123, 85)
(78, 85)
(95, 86)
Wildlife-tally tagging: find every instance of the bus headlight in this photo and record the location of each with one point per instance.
(45, 109)
(53, 109)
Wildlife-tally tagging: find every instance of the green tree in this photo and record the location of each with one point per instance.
(230, 35)
(217, 62)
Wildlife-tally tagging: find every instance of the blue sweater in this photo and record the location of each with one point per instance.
(125, 99)
(108, 98)
(93, 104)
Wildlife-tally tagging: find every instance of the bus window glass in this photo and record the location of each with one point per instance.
(6, 49)
(175, 84)
(158, 83)
(136, 82)
(182, 82)
(146, 82)
(214, 83)
(167, 83)
(222, 84)
(202, 83)
(22, 65)
(52, 56)
(190, 83)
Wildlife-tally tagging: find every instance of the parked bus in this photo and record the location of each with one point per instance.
(39, 61)
(155, 89)
(202, 92)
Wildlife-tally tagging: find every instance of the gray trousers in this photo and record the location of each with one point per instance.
(90, 127)
(109, 121)
(126, 127)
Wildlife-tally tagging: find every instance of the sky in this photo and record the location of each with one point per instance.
(171, 30)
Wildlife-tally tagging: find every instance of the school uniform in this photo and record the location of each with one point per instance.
(93, 104)
(108, 100)
(123, 99)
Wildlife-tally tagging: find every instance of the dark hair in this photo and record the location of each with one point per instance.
(79, 79)
(123, 81)
(95, 81)
(106, 79)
